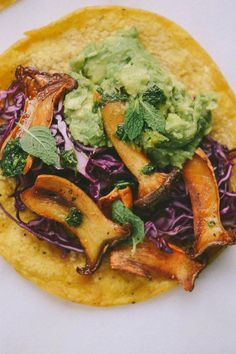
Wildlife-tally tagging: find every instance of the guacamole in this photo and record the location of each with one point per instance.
(85, 124)
(161, 117)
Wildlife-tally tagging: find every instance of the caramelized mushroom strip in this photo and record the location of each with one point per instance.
(201, 183)
(53, 197)
(151, 187)
(125, 195)
(43, 91)
(148, 261)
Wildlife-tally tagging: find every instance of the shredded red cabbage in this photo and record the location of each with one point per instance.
(174, 220)
(12, 103)
(99, 169)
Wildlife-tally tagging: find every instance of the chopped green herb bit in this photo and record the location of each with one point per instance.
(99, 90)
(120, 132)
(148, 169)
(96, 106)
(154, 96)
(68, 158)
(74, 217)
(13, 159)
(120, 95)
(122, 185)
(211, 223)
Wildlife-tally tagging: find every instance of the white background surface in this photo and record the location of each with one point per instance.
(203, 322)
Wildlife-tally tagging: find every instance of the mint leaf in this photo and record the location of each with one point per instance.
(133, 122)
(153, 118)
(121, 215)
(39, 142)
(138, 113)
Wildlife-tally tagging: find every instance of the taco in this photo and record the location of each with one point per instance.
(117, 136)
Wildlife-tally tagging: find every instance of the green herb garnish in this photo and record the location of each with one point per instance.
(119, 95)
(74, 218)
(39, 142)
(68, 158)
(148, 169)
(122, 185)
(154, 96)
(153, 118)
(121, 215)
(140, 115)
(134, 121)
(120, 132)
(211, 223)
(95, 107)
(99, 90)
(13, 159)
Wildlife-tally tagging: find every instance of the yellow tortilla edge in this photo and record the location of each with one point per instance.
(66, 22)
(6, 3)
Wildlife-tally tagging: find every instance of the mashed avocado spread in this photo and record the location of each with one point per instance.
(161, 118)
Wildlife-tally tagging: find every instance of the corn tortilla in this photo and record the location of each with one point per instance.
(6, 3)
(50, 49)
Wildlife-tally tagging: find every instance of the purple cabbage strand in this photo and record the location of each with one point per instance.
(12, 103)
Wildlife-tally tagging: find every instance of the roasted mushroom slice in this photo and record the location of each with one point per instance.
(148, 261)
(201, 183)
(124, 194)
(151, 187)
(42, 91)
(54, 197)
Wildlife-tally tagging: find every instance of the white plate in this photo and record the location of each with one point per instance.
(33, 322)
